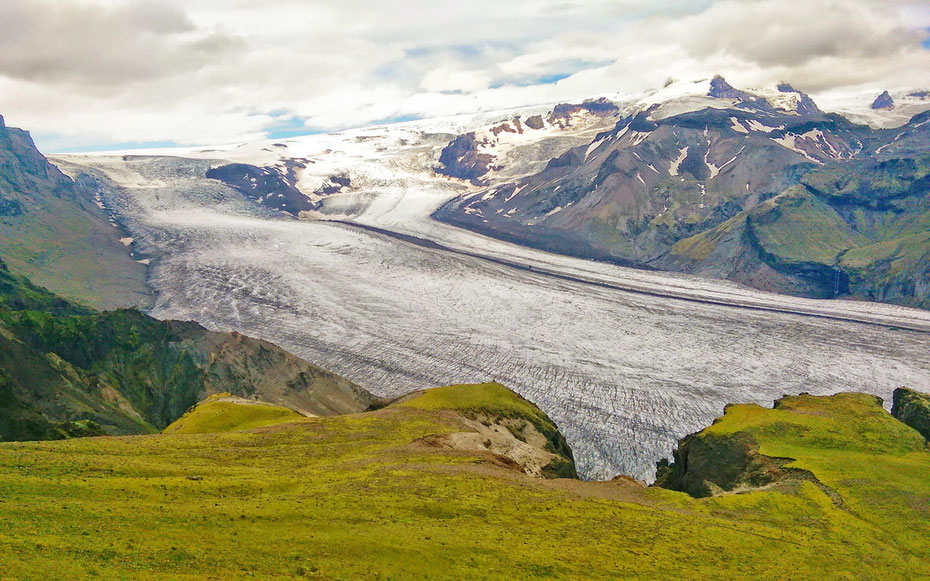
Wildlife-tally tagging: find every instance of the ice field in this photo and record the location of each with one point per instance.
(625, 361)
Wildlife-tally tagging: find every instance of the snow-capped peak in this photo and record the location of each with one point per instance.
(877, 108)
(679, 97)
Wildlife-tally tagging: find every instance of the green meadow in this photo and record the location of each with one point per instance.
(364, 496)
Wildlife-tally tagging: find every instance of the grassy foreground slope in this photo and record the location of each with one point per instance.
(387, 494)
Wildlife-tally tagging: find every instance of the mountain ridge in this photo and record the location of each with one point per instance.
(646, 191)
(69, 370)
(53, 230)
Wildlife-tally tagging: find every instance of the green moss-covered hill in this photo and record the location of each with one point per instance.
(439, 486)
(860, 228)
(67, 370)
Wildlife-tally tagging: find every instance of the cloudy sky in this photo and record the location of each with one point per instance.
(98, 74)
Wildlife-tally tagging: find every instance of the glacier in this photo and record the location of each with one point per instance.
(625, 361)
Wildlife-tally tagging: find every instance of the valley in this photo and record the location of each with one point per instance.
(476, 290)
(625, 361)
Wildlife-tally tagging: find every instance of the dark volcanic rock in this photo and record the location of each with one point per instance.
(535, 122)
(508, 127)
(563, 111)
(806, 105)
(707, 465)
(883, 101)
(460, 159)
(264, 185)
(721, 89)
(912, 408)
(334, 185)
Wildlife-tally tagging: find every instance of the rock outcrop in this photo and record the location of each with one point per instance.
(883, 101)
(271, 187)
(912, 408)
(708, 465)
(461, 159)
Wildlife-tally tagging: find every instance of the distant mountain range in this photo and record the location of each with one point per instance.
(762, 188)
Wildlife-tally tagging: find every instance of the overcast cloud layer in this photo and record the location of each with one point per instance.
(101, 73)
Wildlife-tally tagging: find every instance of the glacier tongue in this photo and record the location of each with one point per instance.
(624, 361)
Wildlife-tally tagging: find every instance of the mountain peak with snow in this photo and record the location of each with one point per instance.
(678, 97)
(892, 108)
(721, 89)
(883, 101)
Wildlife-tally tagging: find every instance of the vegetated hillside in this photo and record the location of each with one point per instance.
(403, 492)
(66, 370)
(52, 231)
(860, 229)
(732, 185)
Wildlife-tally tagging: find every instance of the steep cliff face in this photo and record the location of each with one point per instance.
(912, 408)
(52, 230)
(67, 370)
(802, 439)
(710, 465)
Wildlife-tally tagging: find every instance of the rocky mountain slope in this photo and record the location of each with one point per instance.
(760, 188)
(54, 231)
(514, 145)
(426, 488)
(67, 370)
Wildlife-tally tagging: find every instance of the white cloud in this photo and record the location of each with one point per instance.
(95, 72)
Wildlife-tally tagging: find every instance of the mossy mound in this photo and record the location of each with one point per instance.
(912, 408)
(495, 403)
(223, 412)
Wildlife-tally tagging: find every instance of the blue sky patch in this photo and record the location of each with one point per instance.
(52, 144)
(465, 51)
(396, 119)
(284, 127)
